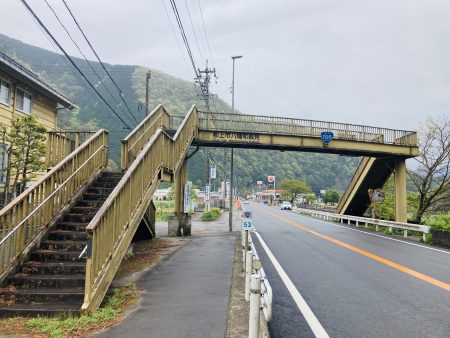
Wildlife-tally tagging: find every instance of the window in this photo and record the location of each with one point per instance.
(23, 101)
(4, 92)
(3, 163)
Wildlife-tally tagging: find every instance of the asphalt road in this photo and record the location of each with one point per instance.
(355, 283)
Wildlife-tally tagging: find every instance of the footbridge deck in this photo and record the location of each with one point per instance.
(254, 131)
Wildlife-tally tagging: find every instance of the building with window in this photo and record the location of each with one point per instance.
(21, 93)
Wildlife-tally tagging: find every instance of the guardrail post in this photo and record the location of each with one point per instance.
(248, 273)
(255, 299)
(405, 233)
(245, 249)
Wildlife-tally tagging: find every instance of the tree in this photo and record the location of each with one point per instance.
(292, 189)
(331, 196)
(431, 175)
(26, 139)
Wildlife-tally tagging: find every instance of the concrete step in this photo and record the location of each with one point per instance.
(80, 218)
(46, 268)
(89, 203)
(63, 245)
(94, 196)
(55, 256)
(100, 190)
(40, 310)
(65, 235)
(84, 210)
(48, 295)
(105, 184)
(47, 280)
(72, 226)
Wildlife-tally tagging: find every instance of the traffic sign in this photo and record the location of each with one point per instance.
(326, 137)
(270, 179)
(247, 224)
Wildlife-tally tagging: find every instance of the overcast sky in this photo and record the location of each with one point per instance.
(383, 63)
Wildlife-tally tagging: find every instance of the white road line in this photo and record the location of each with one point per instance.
(376, 235)
(312, 320)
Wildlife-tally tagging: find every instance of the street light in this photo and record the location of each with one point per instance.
(230, 221)
(232, 84)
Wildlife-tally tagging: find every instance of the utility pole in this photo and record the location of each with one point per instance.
(147, 80)
(204, 82)
(230, 219)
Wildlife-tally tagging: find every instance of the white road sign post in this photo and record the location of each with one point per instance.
(187, 198)
(207, 197)
(213, 173)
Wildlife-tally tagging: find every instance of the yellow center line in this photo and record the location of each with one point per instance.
(379, 259)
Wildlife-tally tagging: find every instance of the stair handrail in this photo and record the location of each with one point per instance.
(112, 228)
(139, 136)
(32, 211)
(60, 143)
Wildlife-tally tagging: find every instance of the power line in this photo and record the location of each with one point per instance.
(85, 58)
(198, 77)
(70, 60)
(193, 30)
(175, 34)
(204, 29)
(99, 60)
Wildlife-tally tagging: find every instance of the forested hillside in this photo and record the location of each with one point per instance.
(318, 170)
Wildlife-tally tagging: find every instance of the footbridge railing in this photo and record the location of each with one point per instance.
(138, 138)
(112, 229)
(24, 219)
(227, 122)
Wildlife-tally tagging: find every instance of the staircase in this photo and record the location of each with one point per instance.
(372, 173)
(52, 281)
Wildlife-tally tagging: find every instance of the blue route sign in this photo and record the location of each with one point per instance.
(248, 214)
(326, 137)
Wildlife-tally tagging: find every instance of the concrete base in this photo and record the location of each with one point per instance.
(173, 225)
(179, 226)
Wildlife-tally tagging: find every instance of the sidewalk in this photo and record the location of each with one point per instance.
(187, 295)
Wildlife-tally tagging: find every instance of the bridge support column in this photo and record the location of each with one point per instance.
(180, 221)
(400, 191)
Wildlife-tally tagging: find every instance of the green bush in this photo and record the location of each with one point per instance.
(211, 215)
(439, 222)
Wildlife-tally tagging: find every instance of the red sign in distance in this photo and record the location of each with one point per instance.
(270, 179)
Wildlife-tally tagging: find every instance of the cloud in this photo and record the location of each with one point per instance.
(366, 62)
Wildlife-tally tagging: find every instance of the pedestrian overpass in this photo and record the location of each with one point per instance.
(156, 150)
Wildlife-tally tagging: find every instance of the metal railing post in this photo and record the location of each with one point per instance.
(255, 298)
(248, 273)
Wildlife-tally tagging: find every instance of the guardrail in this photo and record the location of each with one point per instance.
(257, 287)
(424, 229)
(60, 143)
(140, 136)
(111, 230)
(299, 127)
(23, 219)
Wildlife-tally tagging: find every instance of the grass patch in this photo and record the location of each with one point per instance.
(164, 209)
(211, 215)
(109, 314)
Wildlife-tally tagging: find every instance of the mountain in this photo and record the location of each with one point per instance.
(320, 171)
